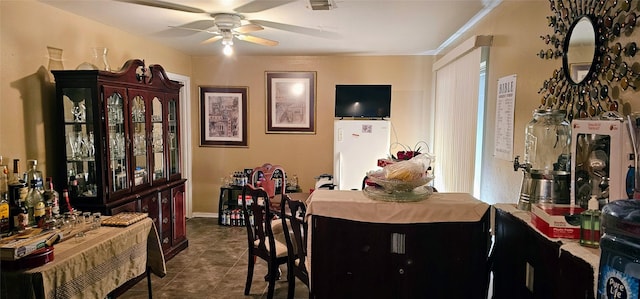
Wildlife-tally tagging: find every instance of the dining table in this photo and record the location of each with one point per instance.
(434, 247)
(91, 264)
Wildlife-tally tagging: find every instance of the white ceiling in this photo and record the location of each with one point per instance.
(353, 27)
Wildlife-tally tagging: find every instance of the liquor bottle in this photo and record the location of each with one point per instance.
(4, 213)
(36, 206)
(16, 184)
(35, 201)
(52, 197)
(17, 194)
(33, 176)
(73, 185)
(4, 178)
(4, 197)
(16, 173)
(590, 224)
(66, 206)
(19, 215)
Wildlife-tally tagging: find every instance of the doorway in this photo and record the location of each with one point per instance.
(185, 133)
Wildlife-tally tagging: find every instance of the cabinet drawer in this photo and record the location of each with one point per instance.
(150, 205)
(165, 218)
(127, 207)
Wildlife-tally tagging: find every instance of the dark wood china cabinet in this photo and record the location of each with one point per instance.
(118, 145)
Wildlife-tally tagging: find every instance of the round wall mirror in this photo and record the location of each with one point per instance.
(596, 43)
(579, 50)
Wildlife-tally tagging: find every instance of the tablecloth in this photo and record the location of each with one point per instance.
(91, 266)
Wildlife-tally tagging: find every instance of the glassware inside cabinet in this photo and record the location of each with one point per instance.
(116, 138)
(157, 134)
(174, 158)
(80, 141)
(139, 131)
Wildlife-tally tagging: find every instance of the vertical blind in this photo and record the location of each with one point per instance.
(456, 121)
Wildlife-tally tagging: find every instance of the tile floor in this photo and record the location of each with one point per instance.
(213, 266)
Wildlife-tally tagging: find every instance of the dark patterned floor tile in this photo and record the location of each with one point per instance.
(213, 266)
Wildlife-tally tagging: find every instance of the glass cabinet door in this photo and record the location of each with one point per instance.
(116, 136)
(157, 135)
(174, 150)
(139, 141)
(80, 141)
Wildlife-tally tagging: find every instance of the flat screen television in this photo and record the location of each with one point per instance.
(366, 101)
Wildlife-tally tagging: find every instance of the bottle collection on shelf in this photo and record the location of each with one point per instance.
(27, 202)
(235, 216)
(241, 178)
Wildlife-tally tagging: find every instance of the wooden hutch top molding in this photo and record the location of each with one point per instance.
(134, 70)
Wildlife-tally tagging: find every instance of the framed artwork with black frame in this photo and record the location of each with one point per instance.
(291, 102)
(223, 116)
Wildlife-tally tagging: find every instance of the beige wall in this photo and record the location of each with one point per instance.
(306, 156)
(516, 27)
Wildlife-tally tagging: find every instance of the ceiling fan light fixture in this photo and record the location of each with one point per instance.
(227, 38)
(227, 42)
(227, 50)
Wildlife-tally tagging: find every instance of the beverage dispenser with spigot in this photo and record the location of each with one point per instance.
(547, 159)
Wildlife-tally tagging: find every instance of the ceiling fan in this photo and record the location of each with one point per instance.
(227, 26)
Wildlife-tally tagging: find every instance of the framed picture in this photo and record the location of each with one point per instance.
(291, 102)
(223, 116)
(579, 71)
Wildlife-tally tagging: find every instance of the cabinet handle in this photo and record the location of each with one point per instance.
(165, 220)
(145, 209)
(165, 200)
(165, 240)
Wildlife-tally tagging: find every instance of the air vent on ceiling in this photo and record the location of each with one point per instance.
(322, 4)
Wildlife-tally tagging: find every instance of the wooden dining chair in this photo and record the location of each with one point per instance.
(293, 221)
(260, 236)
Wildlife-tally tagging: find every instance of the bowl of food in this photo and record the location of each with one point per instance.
(398, 184)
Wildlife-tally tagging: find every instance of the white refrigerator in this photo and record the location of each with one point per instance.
(357, 146)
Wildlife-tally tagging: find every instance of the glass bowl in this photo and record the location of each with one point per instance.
(391, 185)
(417, 194)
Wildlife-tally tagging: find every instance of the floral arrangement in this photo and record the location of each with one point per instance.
(408, 152)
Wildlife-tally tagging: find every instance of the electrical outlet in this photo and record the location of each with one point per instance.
(529, 277)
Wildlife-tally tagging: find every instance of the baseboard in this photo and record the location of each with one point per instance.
(204, 215)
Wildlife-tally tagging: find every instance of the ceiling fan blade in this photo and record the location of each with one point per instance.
(201, 24)
(182, 31)
(248, 28)
(257, 40)
(214, 31)
(297, 29)
(163, 4)
(210, 40)
(260, 5)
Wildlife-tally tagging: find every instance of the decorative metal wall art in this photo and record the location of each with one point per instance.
(593, 38)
